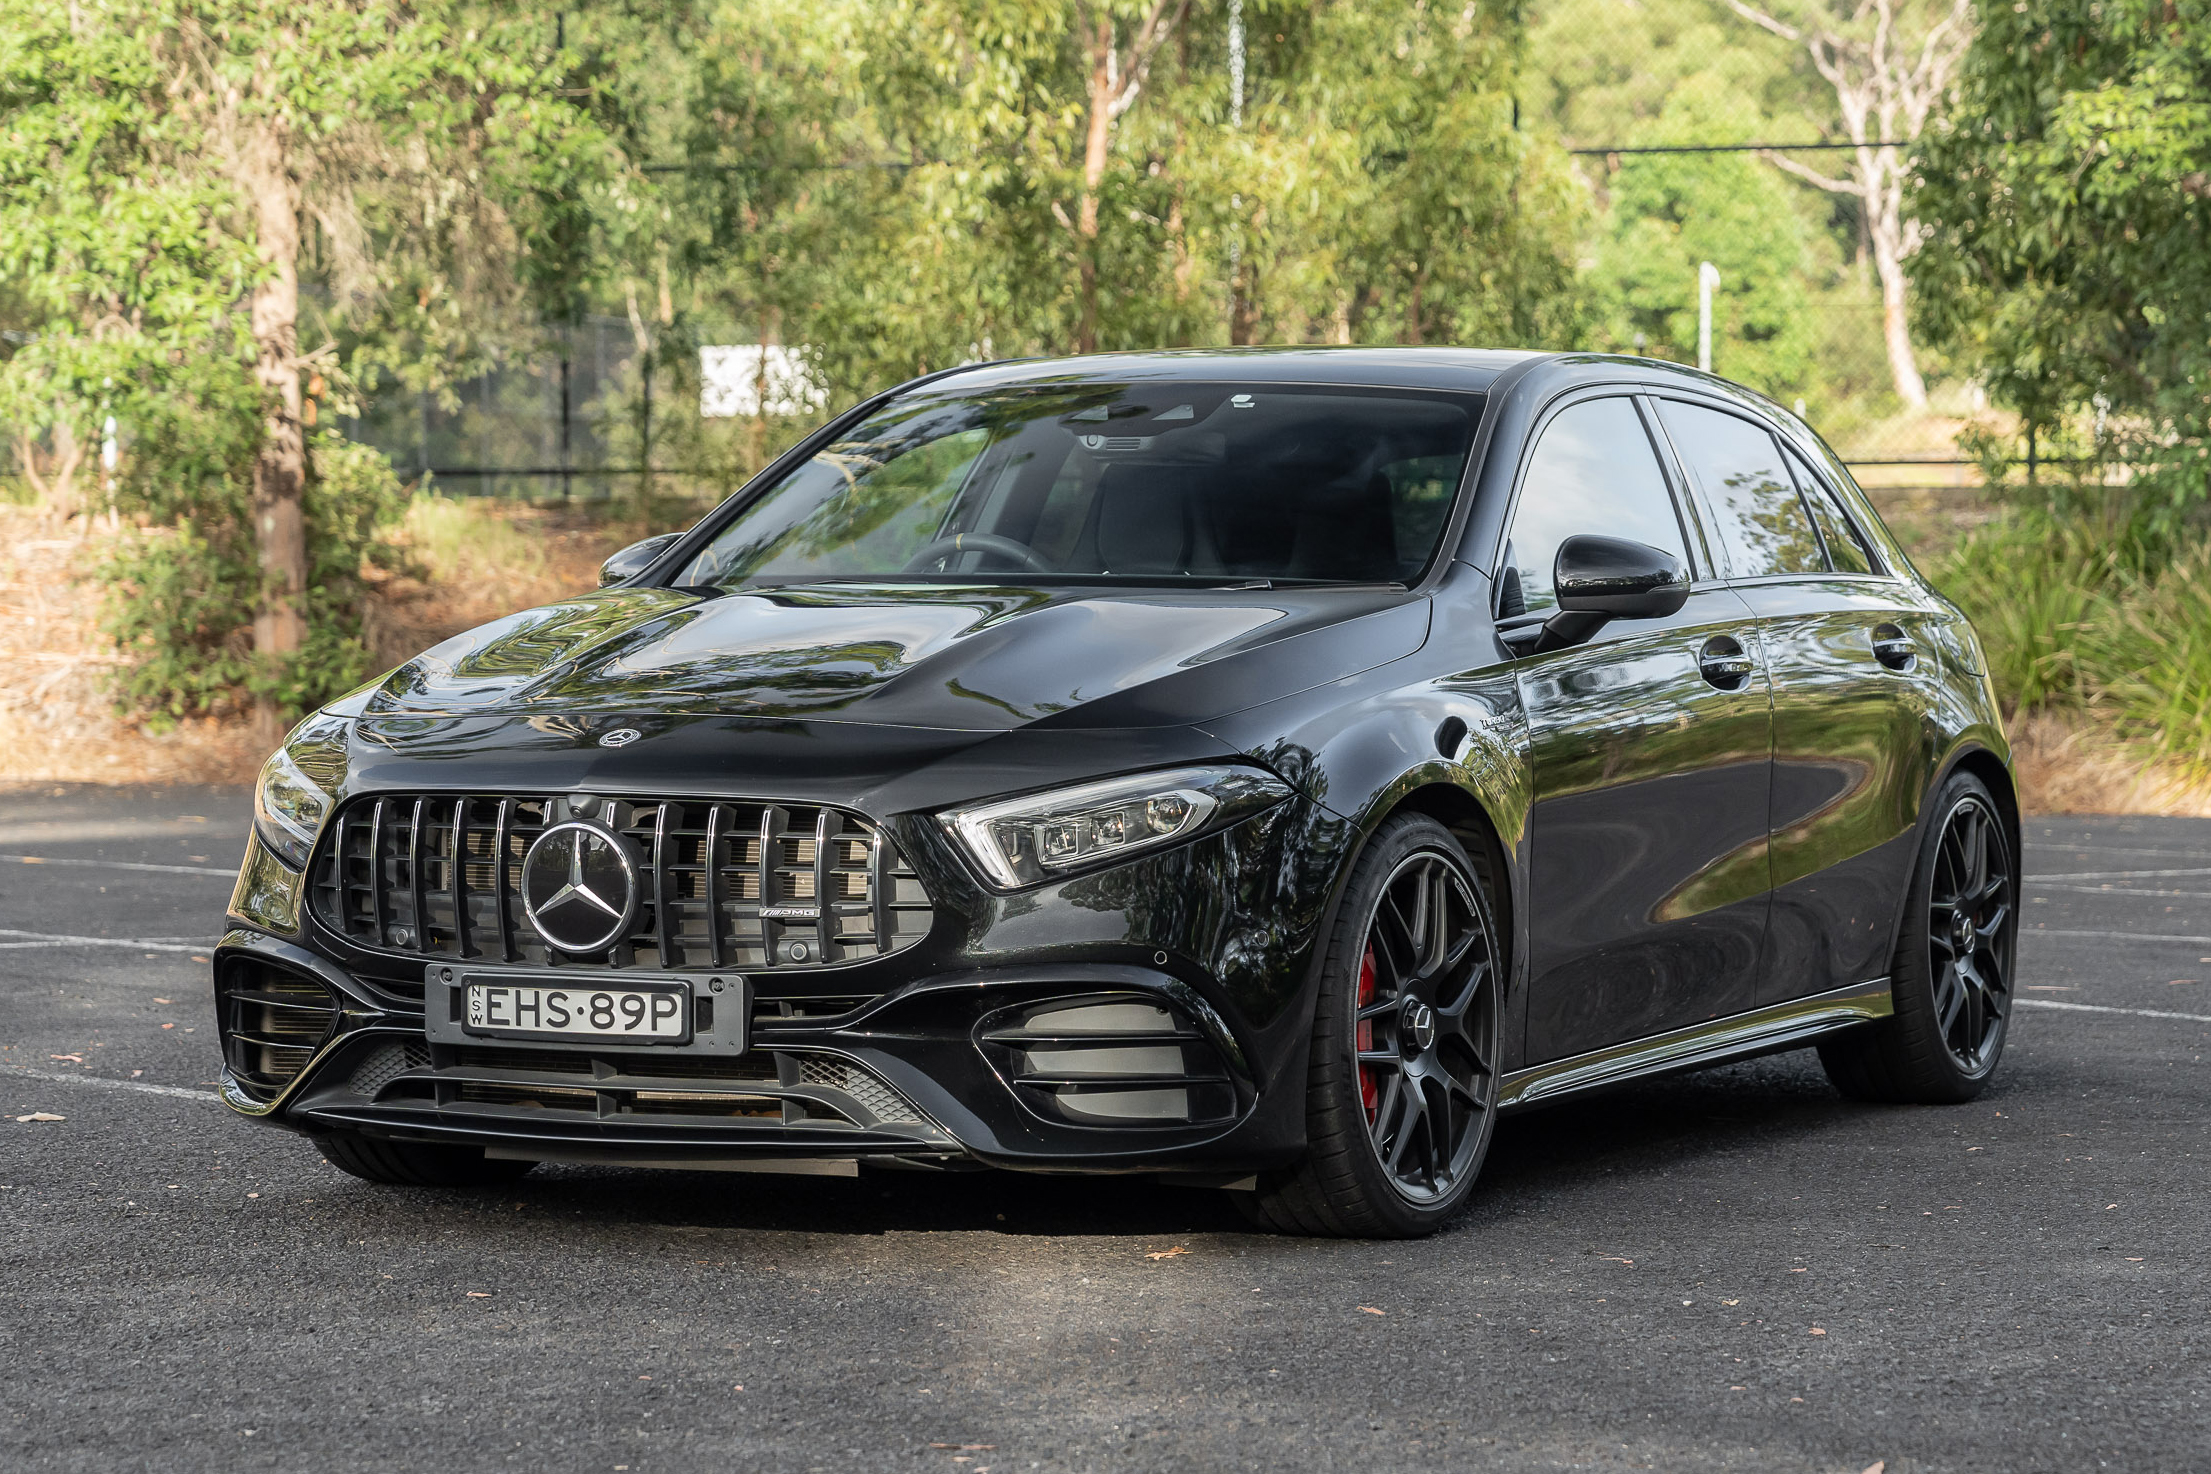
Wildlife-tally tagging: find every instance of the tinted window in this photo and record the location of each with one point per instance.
(1846, 551)
(1738, 466)
(1593, 471)
(1102, 481)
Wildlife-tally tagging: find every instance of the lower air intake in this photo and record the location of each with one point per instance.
(1111, 1061)
(272, 1021)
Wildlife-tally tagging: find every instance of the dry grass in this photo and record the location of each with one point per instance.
(58, 721)
(2073, 766)
(473, 561)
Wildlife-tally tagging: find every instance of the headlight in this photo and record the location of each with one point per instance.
(297, 788)
(1021, 841)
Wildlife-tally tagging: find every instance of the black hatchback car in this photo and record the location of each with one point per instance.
(1255, 769)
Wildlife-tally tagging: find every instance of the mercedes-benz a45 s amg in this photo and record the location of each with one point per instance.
(1254, 769)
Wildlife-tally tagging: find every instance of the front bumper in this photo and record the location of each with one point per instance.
(922, 1059)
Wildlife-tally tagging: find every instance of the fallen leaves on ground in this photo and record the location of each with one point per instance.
(75, 1059)
(42, 1116)
(1167, 1253)
(1819, 1330)
(479, 1294)
(1370, 1310)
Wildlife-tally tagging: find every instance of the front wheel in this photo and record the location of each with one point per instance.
(1952, 977)
(1402, 1087)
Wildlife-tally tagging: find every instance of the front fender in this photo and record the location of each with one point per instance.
(1425, 731)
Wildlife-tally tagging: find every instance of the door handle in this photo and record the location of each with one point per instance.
(1893, 648)
(1724, 663)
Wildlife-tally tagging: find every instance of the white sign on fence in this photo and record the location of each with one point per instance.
(730, 381)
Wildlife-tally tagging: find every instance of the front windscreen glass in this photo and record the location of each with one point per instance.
(1114, 482)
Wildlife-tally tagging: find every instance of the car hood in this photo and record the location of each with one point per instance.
(958, 658)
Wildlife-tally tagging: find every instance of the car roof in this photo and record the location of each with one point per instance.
(1465, 369)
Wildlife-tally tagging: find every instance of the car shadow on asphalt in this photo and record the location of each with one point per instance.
(1645, 1129)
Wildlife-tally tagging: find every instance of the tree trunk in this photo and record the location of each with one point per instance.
(56, 485)
(1095, 143)
(1885, 230)
(280, 470)
(1243, 308)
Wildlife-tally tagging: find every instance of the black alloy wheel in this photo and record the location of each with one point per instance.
(1952, 977)
(1969, 935)
(1403, 1081)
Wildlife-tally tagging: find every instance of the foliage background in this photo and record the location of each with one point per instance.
(502, 209)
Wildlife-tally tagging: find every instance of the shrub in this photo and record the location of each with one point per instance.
(182, 596)
(2095, 608)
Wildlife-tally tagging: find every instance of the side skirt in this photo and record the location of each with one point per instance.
(1761, 1031)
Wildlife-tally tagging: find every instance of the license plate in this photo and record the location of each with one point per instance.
(640, 1014)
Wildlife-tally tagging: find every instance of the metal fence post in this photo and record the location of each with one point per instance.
(566, 335)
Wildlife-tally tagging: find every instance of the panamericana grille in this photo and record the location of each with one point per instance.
(737, 885)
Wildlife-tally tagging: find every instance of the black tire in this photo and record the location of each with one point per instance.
(417, 1164)
(1401, 1090)
(1952, 974)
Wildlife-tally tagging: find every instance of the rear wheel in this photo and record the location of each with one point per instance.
(1402, 1087)
(1952, 976)
(417, 1164)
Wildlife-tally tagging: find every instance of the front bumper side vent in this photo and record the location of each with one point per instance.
(1119, 1061)
(272, 1021)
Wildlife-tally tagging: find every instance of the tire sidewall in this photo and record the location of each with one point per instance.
(1913, 973)
(1335, 1108)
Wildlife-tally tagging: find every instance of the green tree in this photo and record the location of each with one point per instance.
(2068, 206)
(170, 168)
(1890, 65)
(1668, 213)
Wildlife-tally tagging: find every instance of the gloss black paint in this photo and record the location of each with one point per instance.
(1663, 853)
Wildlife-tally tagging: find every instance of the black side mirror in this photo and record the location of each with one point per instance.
(634, 559)
(1600, 579)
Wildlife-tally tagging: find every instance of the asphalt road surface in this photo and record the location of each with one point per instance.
(1731, 1270)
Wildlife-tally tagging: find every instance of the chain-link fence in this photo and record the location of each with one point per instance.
(1775, 144)
(1735, 219)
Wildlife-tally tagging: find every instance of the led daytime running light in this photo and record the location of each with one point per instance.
(1020, 842)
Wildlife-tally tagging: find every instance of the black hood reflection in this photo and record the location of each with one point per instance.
(968, 658)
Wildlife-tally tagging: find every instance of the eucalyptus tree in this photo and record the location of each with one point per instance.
(2067, 205)
(1891, 65)
(171, 167)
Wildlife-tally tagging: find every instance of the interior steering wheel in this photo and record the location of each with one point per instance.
(977, 542)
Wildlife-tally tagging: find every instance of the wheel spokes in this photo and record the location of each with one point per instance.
(1426, 1030)
(1969, 916)
(1949, 999)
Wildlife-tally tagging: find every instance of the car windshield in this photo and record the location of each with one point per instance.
(1115, 483)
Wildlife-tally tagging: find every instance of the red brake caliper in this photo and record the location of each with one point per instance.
(1363, 1036)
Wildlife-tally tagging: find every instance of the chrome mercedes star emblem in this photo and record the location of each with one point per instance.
(579, 887)
(620, 737)
(1420, 1024)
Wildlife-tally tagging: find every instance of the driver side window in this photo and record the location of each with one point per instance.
(1593, 471)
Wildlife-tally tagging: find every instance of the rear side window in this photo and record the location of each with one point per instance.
(1761, 521)
(1846, 551)
(1593, 471)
